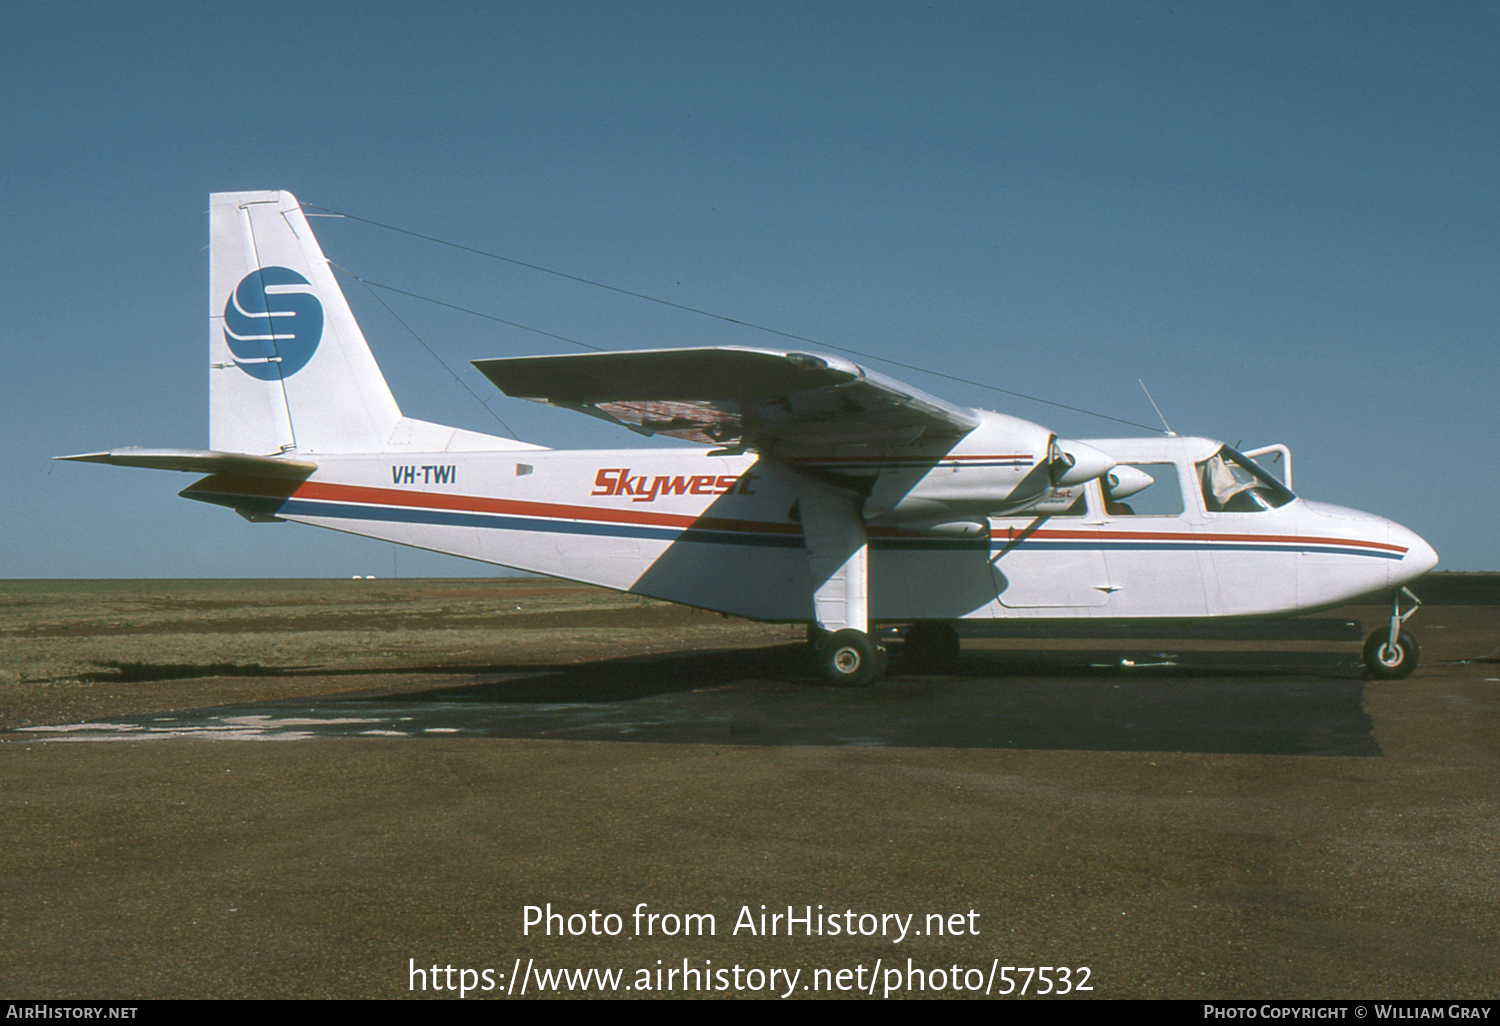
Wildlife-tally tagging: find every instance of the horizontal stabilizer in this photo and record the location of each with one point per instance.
(198, 461)
(732, 395)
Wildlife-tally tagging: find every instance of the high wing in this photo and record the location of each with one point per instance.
(741, 398)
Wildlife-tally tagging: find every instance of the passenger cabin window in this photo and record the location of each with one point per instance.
(1233, 483)
(1142, 490)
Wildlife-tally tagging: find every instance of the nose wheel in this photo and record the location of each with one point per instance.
(1387, 661)
(1391, 653)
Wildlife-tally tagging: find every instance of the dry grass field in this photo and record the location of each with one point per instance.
(72, 650)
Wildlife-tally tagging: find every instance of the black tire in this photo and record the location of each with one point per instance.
(851, 658)
(1386, 663)
(931, 647)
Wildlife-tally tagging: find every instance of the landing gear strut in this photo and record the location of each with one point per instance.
(1390, 652)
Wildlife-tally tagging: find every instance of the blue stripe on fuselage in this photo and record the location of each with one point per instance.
(496, 521)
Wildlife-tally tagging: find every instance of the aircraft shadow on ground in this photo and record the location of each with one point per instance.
(1310, 704)
(1073, 700)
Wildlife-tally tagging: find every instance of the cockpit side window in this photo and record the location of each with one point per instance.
(1232, 483)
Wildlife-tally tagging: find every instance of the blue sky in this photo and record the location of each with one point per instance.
(1283, 217)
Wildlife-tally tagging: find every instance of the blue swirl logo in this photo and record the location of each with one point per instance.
(272, 332)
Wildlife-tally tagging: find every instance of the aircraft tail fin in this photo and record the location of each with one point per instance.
(290, 369)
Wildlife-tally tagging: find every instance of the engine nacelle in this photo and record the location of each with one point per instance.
(1004, 464)
(975, 529)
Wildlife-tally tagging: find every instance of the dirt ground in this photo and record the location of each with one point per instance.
(1092, 819)
(79, 650)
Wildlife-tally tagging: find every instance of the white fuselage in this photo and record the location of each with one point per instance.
(722, 532)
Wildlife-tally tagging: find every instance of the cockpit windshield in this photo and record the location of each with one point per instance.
(1233, 483)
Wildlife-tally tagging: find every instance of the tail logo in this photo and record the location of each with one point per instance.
(273, 323)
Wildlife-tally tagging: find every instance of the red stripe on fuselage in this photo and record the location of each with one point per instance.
(1265, 539)
(881, 460)
(364, 495)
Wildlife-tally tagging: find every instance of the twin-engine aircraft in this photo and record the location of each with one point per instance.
(824, 493)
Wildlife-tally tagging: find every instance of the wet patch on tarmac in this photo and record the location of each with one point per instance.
(1095, 699)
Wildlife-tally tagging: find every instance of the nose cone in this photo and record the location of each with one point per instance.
(1420, 557)
(1086, 463)
(1336, 564)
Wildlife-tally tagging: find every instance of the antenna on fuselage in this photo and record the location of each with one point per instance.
(1167, 427)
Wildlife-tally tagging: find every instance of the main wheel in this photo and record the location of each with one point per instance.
(931, 647)
(851, 658)
(1390, 662)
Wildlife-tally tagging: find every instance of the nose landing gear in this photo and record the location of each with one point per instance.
(1390, 652)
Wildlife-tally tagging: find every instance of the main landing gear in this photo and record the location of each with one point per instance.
(851, 658)
(1390, 652)
(848, 658)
